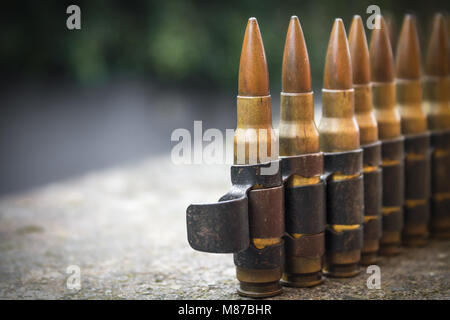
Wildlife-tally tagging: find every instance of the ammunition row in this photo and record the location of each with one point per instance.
(373, 176)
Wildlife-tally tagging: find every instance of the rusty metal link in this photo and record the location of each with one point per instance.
(305, 209)
(345, 212)
(393, 222)
(244, 177)
(223, 227)
(347, 163)
(305, 215)
(346, 240)
(345, 198)
(372, 154)
(266, 213)
(304, 205)
(372, 226)
(440, 184)
(307, 165)
(345, 201)
(393, 184)
(270, 257)
(417, 170)
(307, 246)
(393, 181)
(417, 188)
(372, 229)
(373, 192)
(393, 149)
(218, 227)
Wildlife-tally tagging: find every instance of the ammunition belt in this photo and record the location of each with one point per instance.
(253, 208)
(440, 183)
(417, 179)
(392, 152)
(345, 200)
(305, 211)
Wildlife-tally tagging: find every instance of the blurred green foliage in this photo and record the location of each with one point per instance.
(189, 43)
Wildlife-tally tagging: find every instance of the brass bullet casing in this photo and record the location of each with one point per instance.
(437, 107)
(255, 142)
(304, 189)
(368, 130)
(339, 140)
(392, 141)
(417, 138)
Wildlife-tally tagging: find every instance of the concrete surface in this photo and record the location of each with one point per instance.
(125, 229)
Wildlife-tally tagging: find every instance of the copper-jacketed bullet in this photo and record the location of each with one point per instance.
(414, 127)
(389, 132)
(437, 106)
(298, 135)
(339, 133)
(338, 127)
(297, 131)
(254, 139)
(368, 130)
(255, 142)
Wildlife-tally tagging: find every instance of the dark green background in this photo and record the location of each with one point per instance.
(188, 43)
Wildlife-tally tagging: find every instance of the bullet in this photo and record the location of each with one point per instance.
(417, 138)
(339, 140)
(249, 220)
(304, 188)
(254, 108)
(368, 130)
(392, 141)
(255, 142)
(436, 102)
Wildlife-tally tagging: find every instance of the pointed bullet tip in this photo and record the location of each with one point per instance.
(253, 72)
(338, 69)
(381, 58)
(359, 52)
(438, 50)
(408, 50)
(296, 73)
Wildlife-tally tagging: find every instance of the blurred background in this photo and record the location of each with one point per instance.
(110, 94)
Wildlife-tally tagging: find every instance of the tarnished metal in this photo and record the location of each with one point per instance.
(389, 131)
(302, 167)
(440, 204)
(436, 102)
(417, 142)
(368, 132)
(339, 140)
(249, 220)
(223, 227)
